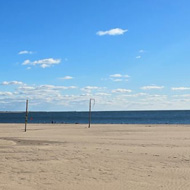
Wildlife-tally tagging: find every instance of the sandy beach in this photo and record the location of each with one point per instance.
(104, 157)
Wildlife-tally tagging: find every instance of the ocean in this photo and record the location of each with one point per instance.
(100, 117)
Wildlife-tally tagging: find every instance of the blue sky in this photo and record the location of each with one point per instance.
(126, 54)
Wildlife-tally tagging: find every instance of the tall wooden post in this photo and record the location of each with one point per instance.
(90, 105)
(26, 117)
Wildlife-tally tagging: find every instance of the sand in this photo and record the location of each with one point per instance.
(104, 157)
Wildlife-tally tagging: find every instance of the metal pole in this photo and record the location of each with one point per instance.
(26, 117)
(89, 113)
(90, 105)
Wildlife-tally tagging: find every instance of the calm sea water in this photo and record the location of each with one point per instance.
(104, 117)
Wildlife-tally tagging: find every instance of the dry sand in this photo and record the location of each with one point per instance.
(104, 157)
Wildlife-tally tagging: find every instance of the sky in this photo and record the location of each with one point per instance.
(125, 54)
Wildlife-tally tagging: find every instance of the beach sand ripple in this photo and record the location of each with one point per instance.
(104, 157)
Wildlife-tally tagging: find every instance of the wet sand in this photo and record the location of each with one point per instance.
(104, 157)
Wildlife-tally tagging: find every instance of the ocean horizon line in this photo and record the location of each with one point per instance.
(98, 111)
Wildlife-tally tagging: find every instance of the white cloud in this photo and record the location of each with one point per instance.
(27, 62)
(152, 87)
(52, 97)
(66, 78)
(117, 80)
(53, 87)
(43, 90)
(102, 94)
(27, 88)
(86, 95)
(141, 51)
(25, 52)
(12, 83)
(43, 62)
(112, 32)
(116, 76)
(183, 95)
(6, 93)
(119, 77)
(126, 76)
(40, 97)
(180, 88)
(135, 95)
(90, 88)
(121, 90)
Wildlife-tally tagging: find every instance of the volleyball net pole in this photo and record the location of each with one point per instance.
(26, 116)
(90, 109)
